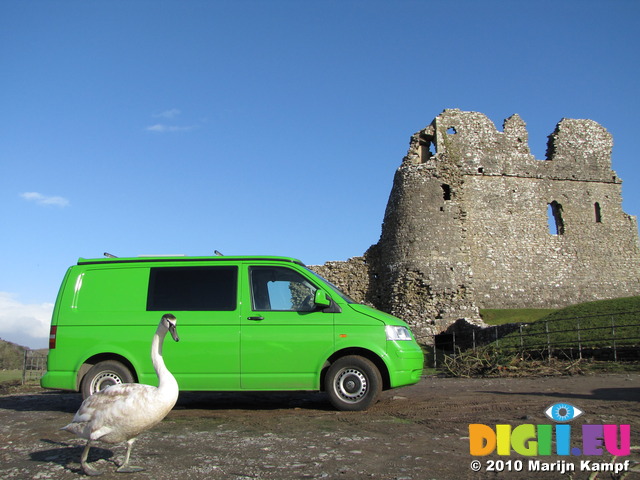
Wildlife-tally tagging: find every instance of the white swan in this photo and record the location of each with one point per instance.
(120, 413)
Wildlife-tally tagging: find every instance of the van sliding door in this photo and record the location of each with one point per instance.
(205, 301)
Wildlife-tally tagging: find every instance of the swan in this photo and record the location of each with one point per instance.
(119, 413)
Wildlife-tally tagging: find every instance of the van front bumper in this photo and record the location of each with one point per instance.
(407, 363)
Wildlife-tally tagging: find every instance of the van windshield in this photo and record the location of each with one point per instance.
(339, 292)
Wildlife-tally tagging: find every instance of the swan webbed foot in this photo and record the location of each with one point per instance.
(89, 470)
(125, 467)
(128, 469)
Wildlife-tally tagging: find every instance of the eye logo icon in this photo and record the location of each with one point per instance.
(563, 412)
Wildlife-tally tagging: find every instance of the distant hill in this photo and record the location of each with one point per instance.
(11, 355)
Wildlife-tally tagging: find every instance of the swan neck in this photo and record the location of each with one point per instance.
(164, 376)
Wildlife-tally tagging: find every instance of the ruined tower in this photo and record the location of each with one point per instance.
(474, 220)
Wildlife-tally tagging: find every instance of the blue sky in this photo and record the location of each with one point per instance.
(267, 127)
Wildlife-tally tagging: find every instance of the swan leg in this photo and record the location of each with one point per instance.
(88, 469)
(125, 467)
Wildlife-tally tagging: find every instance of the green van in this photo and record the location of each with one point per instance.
(247, 323)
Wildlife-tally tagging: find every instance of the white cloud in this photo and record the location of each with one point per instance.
(41, 199)
(162, 128)
(171, 113)
(24, 324)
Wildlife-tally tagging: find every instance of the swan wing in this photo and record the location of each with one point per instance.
(116, 413)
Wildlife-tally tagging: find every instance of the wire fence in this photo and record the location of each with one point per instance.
(607, 337)
(34, 366)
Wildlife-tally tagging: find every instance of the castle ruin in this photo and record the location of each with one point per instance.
(475, 221)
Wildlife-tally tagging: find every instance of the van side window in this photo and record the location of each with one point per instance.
(280, 288)
(193, 289)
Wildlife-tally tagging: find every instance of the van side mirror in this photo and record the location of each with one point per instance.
(321, 299)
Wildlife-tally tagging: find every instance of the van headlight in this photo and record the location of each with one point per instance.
(396, 333)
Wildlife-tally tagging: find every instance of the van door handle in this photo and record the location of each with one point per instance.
(255, 319)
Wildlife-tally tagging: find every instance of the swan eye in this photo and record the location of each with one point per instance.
(563, 412)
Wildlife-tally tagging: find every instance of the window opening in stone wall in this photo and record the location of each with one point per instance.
(451, 131)
(598, 212)
(556, 223)
(426, 142)
(425, 152)
(446, 191)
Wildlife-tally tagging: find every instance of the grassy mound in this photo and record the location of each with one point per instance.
(563, 341)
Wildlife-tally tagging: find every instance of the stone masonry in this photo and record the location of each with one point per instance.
(475, 221)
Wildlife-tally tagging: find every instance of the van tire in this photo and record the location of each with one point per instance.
(104, 374)
(353, 383)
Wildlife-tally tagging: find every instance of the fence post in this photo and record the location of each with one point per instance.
(613, 336)
(435, 354)
(546, 327)
(454, 345)
(579, 340)
(24, 367)
(521, 340)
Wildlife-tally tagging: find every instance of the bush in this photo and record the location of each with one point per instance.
(11, 356)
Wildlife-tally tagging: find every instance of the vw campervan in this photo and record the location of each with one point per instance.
(247, 323)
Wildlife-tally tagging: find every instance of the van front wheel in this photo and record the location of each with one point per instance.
(103, 375)
(353, 383)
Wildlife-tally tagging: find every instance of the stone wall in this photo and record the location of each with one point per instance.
(352, 277)
(467, 225)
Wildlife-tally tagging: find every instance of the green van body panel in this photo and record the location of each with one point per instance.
(109, 308)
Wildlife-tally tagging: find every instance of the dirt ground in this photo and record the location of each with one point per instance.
(414, 433)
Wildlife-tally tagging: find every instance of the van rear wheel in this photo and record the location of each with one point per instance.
(353, 383)
(103, 375)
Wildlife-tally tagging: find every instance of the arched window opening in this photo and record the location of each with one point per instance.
(598, 212)
(556, 223)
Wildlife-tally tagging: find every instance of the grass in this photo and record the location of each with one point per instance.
(600, 307)
(600, 324)
(591, 325)
(10, 375)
